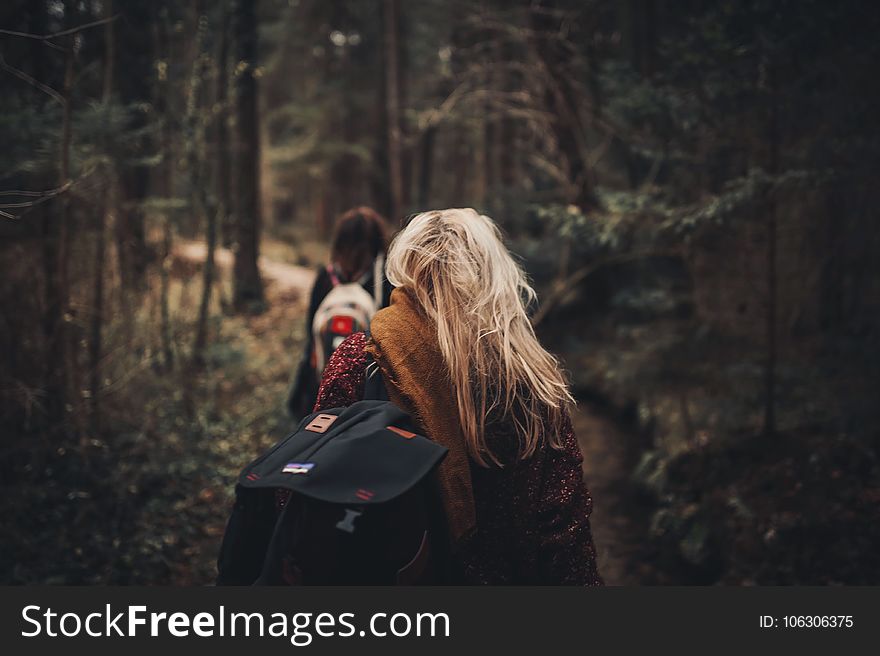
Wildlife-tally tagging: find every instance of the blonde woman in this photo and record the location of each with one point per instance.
(457, 351)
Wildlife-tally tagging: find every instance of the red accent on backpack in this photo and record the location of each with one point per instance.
(403, 433)
(364, 495)
(342, 325)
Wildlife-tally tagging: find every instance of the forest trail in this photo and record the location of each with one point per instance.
(616, 522)
(287, 277)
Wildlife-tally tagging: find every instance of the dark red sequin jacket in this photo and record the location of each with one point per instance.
(533, 524)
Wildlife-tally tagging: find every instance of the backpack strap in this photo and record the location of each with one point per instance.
(378, 276)
(378, 280)
(334, 277)
(440, 544)
(374, 386)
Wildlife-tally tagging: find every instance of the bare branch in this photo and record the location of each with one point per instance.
(21, 75)
(37, 37)
(47, 38)
(41, 197)
(71, 186)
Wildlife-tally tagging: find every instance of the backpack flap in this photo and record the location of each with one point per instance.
(367, 453)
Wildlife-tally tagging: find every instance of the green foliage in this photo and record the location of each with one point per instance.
(753, 513)
(741, 196)
(30, 138)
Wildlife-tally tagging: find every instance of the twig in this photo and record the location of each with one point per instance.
(46, 38)
(33, 203)
(32, 81)
(25, 35)
(42, 196)
(21, 192)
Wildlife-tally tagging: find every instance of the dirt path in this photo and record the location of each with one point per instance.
(617, 522)
(287, 277)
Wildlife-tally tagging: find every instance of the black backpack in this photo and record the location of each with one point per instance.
(363, 506)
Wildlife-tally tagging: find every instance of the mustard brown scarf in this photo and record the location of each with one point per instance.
(403, 341)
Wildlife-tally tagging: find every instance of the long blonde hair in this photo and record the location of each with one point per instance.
(463, 276)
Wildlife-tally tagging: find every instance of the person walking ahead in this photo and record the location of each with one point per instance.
(347, 291)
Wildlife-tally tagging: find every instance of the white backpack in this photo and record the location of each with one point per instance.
(347, 309)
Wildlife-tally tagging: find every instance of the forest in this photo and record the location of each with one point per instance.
(691, 187)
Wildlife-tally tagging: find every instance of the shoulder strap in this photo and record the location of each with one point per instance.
(378, 276)
(334, 278)
(378, 279)
(374, 386)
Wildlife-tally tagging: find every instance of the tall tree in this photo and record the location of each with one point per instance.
(55, 301)
(97, 319)
(133, 76)
(772, 226)
(223, 179)
(65, 344)
(162, 91)
(205, 207)
(392, 107)
(248, 285)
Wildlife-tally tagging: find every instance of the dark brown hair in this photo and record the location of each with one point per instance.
(361, 234)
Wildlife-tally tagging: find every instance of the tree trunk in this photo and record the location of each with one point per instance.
(162, 45)
(490, 175)
(426, 168)
(507, 154)
(343, 178)
(207, 285)
(132, 76)
(248, 285)
(379, 180)
(459, 163)
(489, 168)
(60, 359)
(224, 165)
(392, 108)
(203, 206)
(772, 236)
(506, 141)
(97, 322)
(164, 288)
(53, 306)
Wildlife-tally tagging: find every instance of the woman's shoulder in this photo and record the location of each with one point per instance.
(342, 382)
(351, 348)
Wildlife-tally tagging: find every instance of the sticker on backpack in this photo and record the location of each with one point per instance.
(298, 468)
